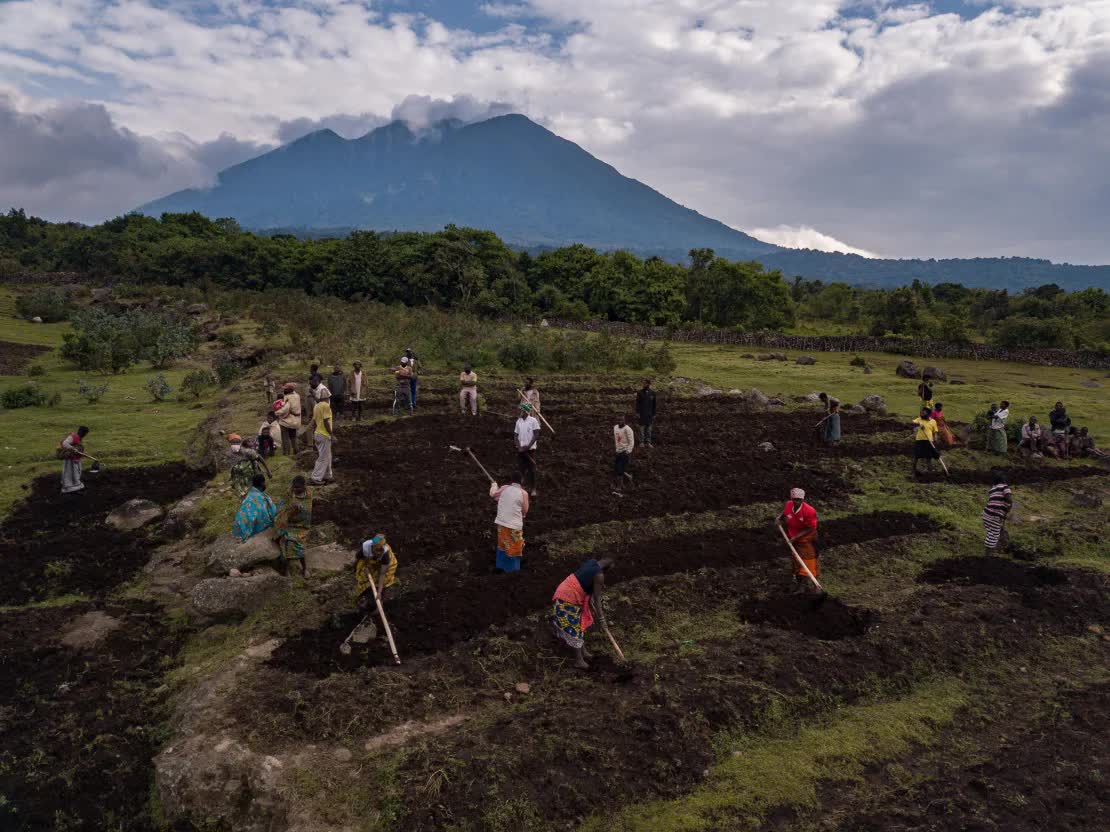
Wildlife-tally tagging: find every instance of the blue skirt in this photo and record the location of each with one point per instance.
(506, 563)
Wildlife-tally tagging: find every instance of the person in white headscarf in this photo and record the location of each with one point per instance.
(324, 436)
(799, 519)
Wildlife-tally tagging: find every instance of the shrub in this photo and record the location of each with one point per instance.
(26, 396)
(227, 369)
(230, 340)
(519, 354)
(92, 393)
(35, 371)
(196, 382)
(662, 361)
(158, 388)
(46, 302)
(858, 362)
(102, 342)
(982, 423)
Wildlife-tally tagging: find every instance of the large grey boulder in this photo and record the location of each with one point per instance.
(134, 514)
(89, 630)
(180, 519)
(874, 404)
(227, 553)
(907, 369)
(805, 360)
(197, 308)
(329, 558)
(235, 597)
(935, 373)
(755, 399)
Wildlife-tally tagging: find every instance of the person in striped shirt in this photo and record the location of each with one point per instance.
(999, 502)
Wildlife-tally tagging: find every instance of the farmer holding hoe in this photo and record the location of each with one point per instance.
(512, 508)
(799, 519)
(576, 603)
(70, 451)
(526, 433)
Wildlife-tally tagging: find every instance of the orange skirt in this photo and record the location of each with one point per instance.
(807, 551)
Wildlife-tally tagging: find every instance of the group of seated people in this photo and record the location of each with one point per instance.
(1060, 441)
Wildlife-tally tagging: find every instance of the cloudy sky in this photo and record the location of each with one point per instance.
(950, 128)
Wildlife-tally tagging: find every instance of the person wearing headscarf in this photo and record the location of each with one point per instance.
(576, 603)
(324, 436)
(374, 560)
(945, 437)
(256, 513)
(71, 451)
(293, 523)
(243, 462)
(289, 417)
(799, 519)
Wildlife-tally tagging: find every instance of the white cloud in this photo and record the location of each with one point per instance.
(908, 132)
(802, 236)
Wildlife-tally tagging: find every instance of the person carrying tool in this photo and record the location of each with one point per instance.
(468, 390)
(999, 502)
(402, 391)
(576, 603)
(70, 451)
(293, 523)
(243, 462)
(413, 377)
(356, 391)
(324, 436)
(527, 433)
(924, 441)
(832, 422)
(645, 411)
(532, 395)
(625, 441)
(799, 519)
(512, 508)
(374, 559)
(289, 417)
(337, 386)
(256, 513)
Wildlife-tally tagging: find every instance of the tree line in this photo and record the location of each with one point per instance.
(474, 271)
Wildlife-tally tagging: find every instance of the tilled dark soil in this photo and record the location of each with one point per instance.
(994, 571)
(54, 543)
(14, 357)
(77, 727)
(829, 619)
(462, 606)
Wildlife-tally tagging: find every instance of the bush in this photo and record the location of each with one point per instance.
(858, 362)
(92, 393)
(227, 369)
(982, 423)
(196, 382)
(26, 396)
(230, 340)
(102, 342)
(35, 371)
(46, 302)
(662, 361)
(519, 354)
(158, 388)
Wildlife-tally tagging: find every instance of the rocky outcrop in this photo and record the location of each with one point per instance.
(227, 553)
(89, 630)
(224, 598)
(805, 360)
(134, 514)
(935, 373)
(907, 369)
(874, 404)
(772, 356)
(754, 399)
(180, 519)
(329, 558)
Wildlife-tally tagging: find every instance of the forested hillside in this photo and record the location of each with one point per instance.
(474, 270)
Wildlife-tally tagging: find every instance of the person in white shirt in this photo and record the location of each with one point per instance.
(996, 438)
(625, 440)
(356, 391)
(512, 508)
(527, 438)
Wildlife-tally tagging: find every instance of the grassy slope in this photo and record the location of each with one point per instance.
(987, 381)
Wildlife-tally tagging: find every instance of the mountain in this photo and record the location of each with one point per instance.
(507, 174)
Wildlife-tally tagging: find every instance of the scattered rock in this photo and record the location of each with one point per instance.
(179, 519)
(812, 397)
(38, 320)
(227, 553)
(89, 629)
(856, 409)
(874, 404)
(523, 687)
(329, 558)
(234, 573)
(867, 371)
(707, 391)
(907, 369)
(1091, 383)
(775, 402)
(747, 355)
(1086, 499)
(197, 308)
(805, 359)
(772, 356)
(134, 514)
(343, 755)
(935, 373)
(101, 295)
(544, 323)
(735, 392)
(766, 447)
(235, 597)
(755, 399)
(956, 381)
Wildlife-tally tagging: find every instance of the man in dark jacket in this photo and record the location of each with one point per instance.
(337, 385)
(645, 410)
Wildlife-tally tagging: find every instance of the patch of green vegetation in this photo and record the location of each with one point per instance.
(760, 772)
(368, 802)
(48, 603)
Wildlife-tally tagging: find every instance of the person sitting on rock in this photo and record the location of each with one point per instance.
(1085, 445)
(256, 513)
(1032, 438)
(293, 523)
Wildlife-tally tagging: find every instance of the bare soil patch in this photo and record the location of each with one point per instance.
(14, 357)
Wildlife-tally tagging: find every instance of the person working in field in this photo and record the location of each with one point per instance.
(945, 437)
(356, 391)
(625, 441)
(402, 389)
(468, 390)
(244, 463)
(293, 522)
(1059, 422)
(337, 386)
(832, 423)
(289, 417)
(925, 392)
(71, 451)
(532, 395)
(924, 440)
(512, 508)
(799, 519)
(576, 603)
(375, 559)
(526, 432)
(413, 376)
(256, 513)
(645, 411)
(999, 503)
(324, 437)
(996, 433)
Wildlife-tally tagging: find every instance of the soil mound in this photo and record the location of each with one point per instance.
(1015, 476)
(830, 620)
(993, 572)
(14, 357)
